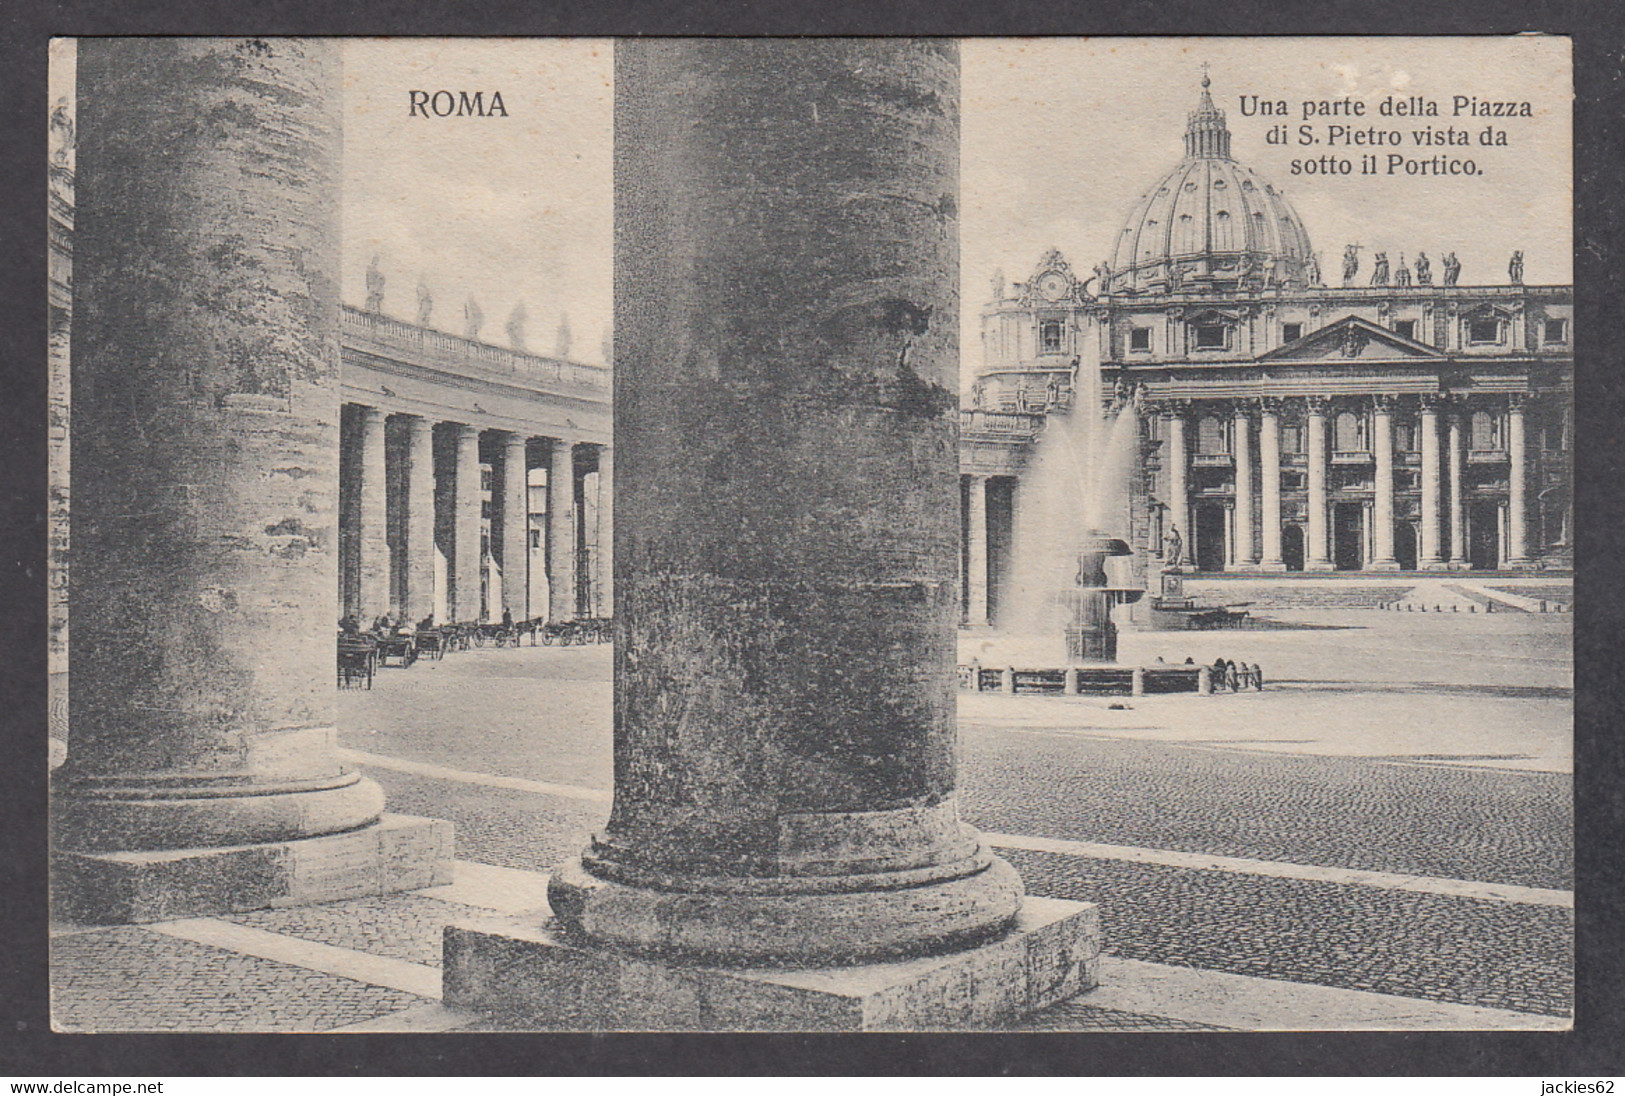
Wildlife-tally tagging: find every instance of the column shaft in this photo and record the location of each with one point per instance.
(1428, 424)
(1269, 452)
(205, 483)
(1458, 504)
(977, 559)
(1242, 538)
(515, 528)
(464, 602)
(1176, 459)
(1517, 487)
(418, 533)
(561, 530)
(372, 535)
(1319, 549)
(606, 528)
(1382, 507)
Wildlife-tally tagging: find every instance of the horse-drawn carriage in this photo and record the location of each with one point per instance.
(357, 660)
(401, 646)
(568, 633)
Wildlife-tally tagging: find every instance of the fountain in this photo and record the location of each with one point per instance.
(1091, 636)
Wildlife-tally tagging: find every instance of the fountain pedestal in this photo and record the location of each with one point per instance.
(1091, 636)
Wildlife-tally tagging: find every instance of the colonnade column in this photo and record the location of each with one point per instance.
(606, 528)
(976, 555)
(1269, 452)
(418, 601)
(773, 807)
(372, 534)
(1382, 507)
(1432, 558)
(202, 775)
(464, 601)
(1242, 556)
(1458, 505)
(1318, 556)
(515, 528)
(561, 530)
(1176, 464)
(1517, 486)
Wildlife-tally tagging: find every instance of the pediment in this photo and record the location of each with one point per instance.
(1353, 339)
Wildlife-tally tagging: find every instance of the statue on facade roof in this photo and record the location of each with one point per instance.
(425, 303)
(472, 318)
(1351, 263)
(1311, 269)
(1402, 276)
(1379, 268)
(998, 286)
(515, 327)
(1515, 268)
(1452, 269)
(1424, 269)
(375, 286)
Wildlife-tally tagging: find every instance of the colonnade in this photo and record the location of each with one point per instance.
(410, 486)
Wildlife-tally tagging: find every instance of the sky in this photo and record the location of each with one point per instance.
(1060, 137)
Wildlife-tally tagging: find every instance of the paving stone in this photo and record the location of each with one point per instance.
(396, 926)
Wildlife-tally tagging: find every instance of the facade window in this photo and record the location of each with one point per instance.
(1291, 438)
(1211, 438)
(1405, 437)
(1210, 336)
(1349, 433)
(1485, 430)
(485, 477)
(1049, 337)
(485, 509)
(1557, 331)
(1139, 338)
(1484, 329)
(1291, 332)
(1405, 329)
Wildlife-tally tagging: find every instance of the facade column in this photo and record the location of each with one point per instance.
(418, 601)
(1382, 503)
(606, 528)
(976, 556)
(372, 534)
(515, 528)
(1432, 558)
(772, 806)
(1176, 461)
(1517, 486)
(1242, 556)
(1318, 552)
(561, 530)
(201, 774)
(463, 602)
(1458, 504)
(1269, 452)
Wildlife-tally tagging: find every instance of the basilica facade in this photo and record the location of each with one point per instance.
(1395, 421)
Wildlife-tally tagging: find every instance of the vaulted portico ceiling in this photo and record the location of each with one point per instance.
(1350, 339)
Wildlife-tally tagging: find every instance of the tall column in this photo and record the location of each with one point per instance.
(976, 562)
(419, 522)
(1176, 460)
(606, 527)
(372, 536)
(771, 805)
(1432, 558)
(464, 602)
(1319, 547)
(1242, 556)
(205, 489)
(561, 530)
(1517, 486)
(1382, 503)
(1269, 452)
(515, 528)
(1458, 504)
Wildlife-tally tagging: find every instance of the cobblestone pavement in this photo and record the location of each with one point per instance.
(401, 926)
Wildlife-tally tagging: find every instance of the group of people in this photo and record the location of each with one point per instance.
(386, 625)
(1225, 674)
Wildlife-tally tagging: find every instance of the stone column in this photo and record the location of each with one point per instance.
(372, 535)
(201, 774)
(419, 532)
(1269, 452)
(561, 530)
(1241, 539)
(606, 527)
(1176, 459)
(1318, 550)
(976, 542)
(1432, 559)
(1382, 503)
(464, 601)
(515, 528)
(785, 770)
(1458, 504)
(1517, 486)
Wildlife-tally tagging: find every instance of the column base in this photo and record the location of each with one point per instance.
(1434, 565)
(1520, 564)
(1319, 565)
(396, 853)
(1241, 565)
(1458, 565)
(1383, 565)
(548, 977)
(1273, 566)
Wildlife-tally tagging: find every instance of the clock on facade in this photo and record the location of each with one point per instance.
(1053, 286)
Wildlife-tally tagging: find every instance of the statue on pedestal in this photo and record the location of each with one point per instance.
(375, 287)
(1351, 263)
(1424, 269)
(1515, 268)
(1173, 548)
(1452, 268)
(1379, 268)
(425, 304)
